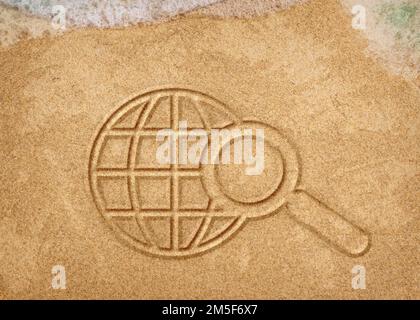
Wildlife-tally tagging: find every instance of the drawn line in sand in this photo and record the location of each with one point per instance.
(175, 211)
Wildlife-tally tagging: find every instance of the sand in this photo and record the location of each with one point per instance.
(303, 71)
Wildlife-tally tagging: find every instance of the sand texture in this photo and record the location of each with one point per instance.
(304, 72)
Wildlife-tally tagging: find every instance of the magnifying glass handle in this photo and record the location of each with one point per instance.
(328, 224)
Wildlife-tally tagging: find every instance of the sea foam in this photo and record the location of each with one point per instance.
(107, 13)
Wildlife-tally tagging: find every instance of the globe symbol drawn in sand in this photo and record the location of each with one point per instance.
(178, 210)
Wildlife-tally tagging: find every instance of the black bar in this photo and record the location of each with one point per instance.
(205, 309)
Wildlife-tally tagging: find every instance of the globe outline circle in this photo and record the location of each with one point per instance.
(126, 238)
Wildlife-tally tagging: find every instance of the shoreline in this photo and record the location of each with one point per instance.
(396, 56)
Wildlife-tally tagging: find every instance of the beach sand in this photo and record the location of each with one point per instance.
(303, 70)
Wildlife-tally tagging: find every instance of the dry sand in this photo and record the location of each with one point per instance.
(303, 71)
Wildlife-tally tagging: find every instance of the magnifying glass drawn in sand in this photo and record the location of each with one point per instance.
(179, 210)
(262, 195)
